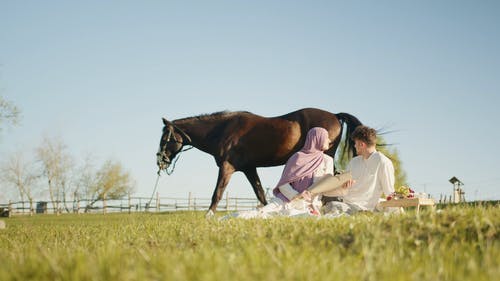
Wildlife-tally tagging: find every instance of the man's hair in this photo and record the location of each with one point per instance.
(365, 134)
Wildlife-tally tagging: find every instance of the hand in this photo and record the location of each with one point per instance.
(306, 195)
(348, 184)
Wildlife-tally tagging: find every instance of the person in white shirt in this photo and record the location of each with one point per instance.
(372, 174)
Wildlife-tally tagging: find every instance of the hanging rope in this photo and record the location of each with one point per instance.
(168, 173)
(154, 190)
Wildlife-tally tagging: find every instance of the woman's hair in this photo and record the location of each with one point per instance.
(365, 134)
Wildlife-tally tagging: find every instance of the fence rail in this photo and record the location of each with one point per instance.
(127, 204)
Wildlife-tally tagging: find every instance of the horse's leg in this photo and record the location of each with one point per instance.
(226, 170)
(254, 180)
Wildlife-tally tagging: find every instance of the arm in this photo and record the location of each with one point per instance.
(288, 191)
(350, 182)
(386, 177)
(332, 185)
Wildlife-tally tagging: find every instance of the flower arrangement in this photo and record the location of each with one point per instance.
(401, 193)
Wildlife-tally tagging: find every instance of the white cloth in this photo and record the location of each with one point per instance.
(335, 209)
(275, 208)
(325, 168)
(373, 177)
(297, 207)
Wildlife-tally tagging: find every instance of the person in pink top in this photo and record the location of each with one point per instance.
(302, 169)
(305, 166)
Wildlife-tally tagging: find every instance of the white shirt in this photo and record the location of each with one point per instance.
(373, 177)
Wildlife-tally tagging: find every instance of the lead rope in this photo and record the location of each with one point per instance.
(168, 173)
(154, 190)
(158, 179)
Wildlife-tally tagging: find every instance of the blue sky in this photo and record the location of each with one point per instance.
(101, 74)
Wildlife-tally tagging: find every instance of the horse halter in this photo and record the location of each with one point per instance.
(161, 155)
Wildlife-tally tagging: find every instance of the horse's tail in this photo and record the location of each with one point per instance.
(351, 123)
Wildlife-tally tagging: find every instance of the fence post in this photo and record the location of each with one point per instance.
(227, 200)
(157, 202)
(10, 208)
(104, 204)
(31, 207)
(189, 201)
(129, 204)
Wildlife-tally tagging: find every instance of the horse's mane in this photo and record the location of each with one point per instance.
(214, 116)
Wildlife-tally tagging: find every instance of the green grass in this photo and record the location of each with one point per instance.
(460, 243)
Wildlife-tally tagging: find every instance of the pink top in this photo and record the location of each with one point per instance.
(300, 167)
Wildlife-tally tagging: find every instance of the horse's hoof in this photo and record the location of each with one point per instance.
(210, 214)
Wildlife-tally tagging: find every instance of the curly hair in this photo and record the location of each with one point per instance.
(365, 134)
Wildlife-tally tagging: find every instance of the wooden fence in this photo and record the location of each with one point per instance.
(127, 204)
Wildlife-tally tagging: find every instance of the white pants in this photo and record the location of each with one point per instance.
(277, 207)
(335, 208)
(274, 205)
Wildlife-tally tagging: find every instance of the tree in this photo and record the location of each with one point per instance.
(56, 165)
(86, 179)
(21, 175)
(8, 112)
(393, 154)
(112, 182)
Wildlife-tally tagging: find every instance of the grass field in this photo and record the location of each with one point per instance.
(456, 243)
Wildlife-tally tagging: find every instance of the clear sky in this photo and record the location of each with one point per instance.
(101, 74)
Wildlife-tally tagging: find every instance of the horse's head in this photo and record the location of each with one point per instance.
(171, 143)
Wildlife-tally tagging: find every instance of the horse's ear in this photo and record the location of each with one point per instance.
(165, 121)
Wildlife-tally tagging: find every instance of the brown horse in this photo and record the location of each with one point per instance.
(242, 141)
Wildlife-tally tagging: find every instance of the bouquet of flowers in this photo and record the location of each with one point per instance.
(401, 193)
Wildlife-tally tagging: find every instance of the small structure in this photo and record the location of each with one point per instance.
(4, 212)
(41, 207)
(458, 192)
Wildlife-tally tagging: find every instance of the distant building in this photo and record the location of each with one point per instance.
(458, 192)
